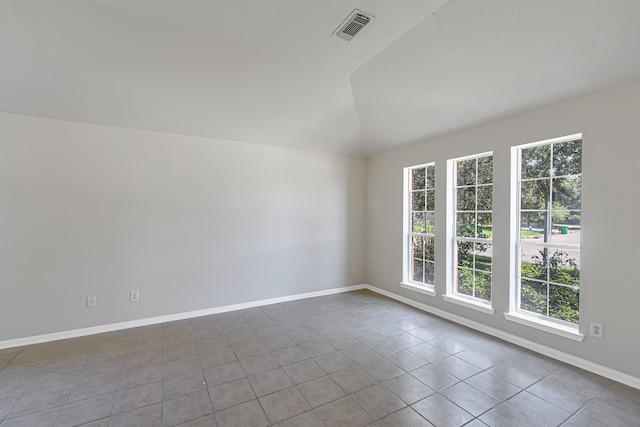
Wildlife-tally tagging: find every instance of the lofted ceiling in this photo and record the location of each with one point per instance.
(270, 71)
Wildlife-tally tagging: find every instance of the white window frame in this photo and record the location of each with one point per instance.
(452, 239)
(516, 314)
(407, 224)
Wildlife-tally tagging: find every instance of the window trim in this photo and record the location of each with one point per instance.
(515, 313)
(423, 289)
(529, 319)
(407, 265)
(468, 302)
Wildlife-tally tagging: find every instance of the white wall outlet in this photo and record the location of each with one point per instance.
(134, 296)
(91, 301)
(596, 330)
(354, 268)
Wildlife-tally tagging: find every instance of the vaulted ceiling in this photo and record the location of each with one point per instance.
(271, 72)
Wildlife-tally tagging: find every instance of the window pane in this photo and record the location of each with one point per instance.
(417, 247)
(574, 219)
(485, 228)
(465, 282)
(466, 199)
(465, 254)
(534, 194)
(418, 223)
(466, 172)
(567, 158)
(429, 252)
(564, 233)
(485, 170)
(564, 303)
(532, 225)
(431, 203)
(431, 177)
(428, 272)
(483, 257)
(418, 270)
(418, 178)
(485, 198)
(533, 262)
(483, 286)
(417, 201)
(564, 266)
(465, 225)
(430, 223)
(533, 297)
(565, 218)
(536, 162)
(567, 193)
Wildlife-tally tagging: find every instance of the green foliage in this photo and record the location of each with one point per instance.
(573, 219)
(567, 158)
(423, 253)
(418, 178)
(423, 178)
(524, 233)
(564, 303)
(536, 162)
(551, 181)
(474, 274)
(431, 177)
(465, 249)
(561, 302)
(466, 172)
(480, 282)
(485, 170)
(423, 200)
(533, 297)
(483, 286)
(465, 281)
(424, 223)
(559, 213)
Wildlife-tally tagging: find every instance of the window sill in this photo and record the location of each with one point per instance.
(547, 326)
(465, 302)
(421, 289)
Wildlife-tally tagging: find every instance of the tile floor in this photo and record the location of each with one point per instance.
(353, 359)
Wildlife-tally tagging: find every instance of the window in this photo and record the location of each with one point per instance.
(472, 240)
(549, 199)
(419, 226)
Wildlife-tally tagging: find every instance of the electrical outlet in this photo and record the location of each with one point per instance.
(134, 296)
(354, 268)
(91, 301)
(597, 330)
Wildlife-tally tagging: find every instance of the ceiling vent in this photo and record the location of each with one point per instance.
(353, 24)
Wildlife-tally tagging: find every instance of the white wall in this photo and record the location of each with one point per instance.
(611, 230)
(192, 223)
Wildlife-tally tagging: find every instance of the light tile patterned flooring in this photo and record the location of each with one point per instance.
(353, 359)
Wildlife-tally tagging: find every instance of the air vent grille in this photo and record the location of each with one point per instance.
(353, 24)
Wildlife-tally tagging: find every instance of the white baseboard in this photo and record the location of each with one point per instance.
(38, 339)
(587, 365)
(514, 339)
